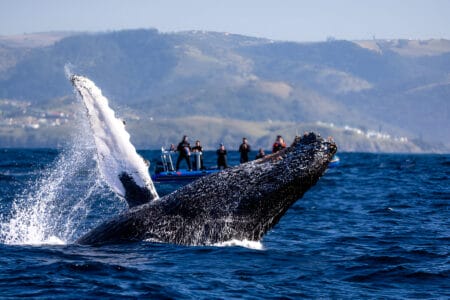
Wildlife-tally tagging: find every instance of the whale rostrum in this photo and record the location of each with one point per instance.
(242, 202)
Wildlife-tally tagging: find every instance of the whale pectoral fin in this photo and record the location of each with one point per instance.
(116, 156)
(134, 194)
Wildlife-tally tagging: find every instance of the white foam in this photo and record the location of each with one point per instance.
(115, 153)
(255, 245)
(52, 240)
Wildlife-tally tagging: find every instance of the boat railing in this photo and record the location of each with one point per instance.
(166, 159)
(167, 162)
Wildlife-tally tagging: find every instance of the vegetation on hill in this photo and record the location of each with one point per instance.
(220, 87)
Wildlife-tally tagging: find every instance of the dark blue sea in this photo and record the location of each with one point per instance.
(377, 226)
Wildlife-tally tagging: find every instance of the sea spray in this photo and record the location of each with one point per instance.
(55, 208)
(254, 245)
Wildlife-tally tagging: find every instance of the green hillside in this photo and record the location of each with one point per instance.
(220, 87)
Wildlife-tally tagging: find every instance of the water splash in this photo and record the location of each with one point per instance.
(56, 207)
(254, 245)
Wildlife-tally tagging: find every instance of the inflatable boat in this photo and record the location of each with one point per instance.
(165, 172)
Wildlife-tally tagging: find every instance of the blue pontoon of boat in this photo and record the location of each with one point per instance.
(165, 172)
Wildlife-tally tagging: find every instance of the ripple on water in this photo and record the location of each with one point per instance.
(377, 227)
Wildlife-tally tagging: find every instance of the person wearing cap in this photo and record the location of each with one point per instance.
(244, 149)
(279, 144)
(222, 157)
(184, 149)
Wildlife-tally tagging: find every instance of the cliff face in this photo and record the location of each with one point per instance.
(166, 85)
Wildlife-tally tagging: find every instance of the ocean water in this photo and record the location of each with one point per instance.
(378, 226)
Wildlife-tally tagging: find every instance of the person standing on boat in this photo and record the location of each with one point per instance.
(260, 154)
(222, 157)
(184, 149)
(244, 149)
(279, 144)
(198, 148)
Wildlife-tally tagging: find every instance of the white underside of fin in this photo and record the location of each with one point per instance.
(115, 153)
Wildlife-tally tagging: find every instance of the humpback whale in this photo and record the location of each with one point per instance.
(242, 202)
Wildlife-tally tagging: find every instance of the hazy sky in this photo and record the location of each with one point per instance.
(295, 20)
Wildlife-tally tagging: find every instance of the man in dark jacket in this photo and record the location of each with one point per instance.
(198, 148)
(184, 149)
(222, 157)
(244, 149)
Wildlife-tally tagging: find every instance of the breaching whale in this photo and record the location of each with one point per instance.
(242, 202)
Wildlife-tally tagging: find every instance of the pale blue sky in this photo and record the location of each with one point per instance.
(299, 20)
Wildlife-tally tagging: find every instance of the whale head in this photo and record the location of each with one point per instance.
(278, 180)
